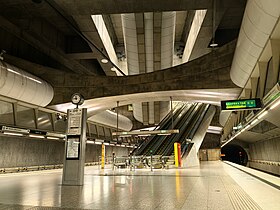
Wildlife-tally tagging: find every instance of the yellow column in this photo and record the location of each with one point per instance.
(176, 155)
(102, 156)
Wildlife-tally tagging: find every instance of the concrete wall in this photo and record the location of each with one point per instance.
(209, 154)
(211, 141)
(17, 151)
(265, 155)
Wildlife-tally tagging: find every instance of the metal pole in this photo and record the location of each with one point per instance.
(213, 19)
(117, 118)
(151, 162)
(171, 112)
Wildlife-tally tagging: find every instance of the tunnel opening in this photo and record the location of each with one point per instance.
(235, 154)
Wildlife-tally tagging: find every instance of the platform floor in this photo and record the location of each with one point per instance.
(213, 185)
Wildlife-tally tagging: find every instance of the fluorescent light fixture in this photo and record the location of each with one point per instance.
(12, 130)
(262, 114)
(99, 140)
(36, 136)
(214, 129)
(98, 143)
(247, 127)
(104, 60)
(141, 133)
(106, 143)
(237, 134)
(54, 138)
(90, 142)
(58, 135)
(275, 104)
(164, 134)
(112, 144)
(13, 134)
(122, 145)
(254, 121)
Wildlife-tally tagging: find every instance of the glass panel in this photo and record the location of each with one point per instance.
(6, 113)
(107, 133)
(100, 130)
(44, 121)
(25, 117)
(92, 130)
(60, 123)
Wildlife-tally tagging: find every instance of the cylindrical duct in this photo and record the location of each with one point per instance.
(109, 118)
(20, 85)
(259, 20)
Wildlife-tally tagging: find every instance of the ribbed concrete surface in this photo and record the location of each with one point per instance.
(239, 199)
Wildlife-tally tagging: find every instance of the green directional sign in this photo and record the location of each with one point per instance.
(243, 104)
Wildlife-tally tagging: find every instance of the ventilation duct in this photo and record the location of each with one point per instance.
(109, 118)
(20, 85)
(166, 56)
(130, 36)
(259, 19)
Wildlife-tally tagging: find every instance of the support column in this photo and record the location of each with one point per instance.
(254, 86)
(75, 147)
(275, 47)
(145, 112)
(262, 73)
(102, 156)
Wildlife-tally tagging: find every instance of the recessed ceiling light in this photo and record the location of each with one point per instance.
(104, 60)
(113, 69)
(213, 45)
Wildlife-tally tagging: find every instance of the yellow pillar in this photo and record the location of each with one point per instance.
(176, 153)
(102, 156)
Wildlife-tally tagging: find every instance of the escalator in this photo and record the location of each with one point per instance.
(182, 124)
(188, 130)
(165, 124)
(187, 119)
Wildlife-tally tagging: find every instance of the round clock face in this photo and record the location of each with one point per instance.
(77, 99)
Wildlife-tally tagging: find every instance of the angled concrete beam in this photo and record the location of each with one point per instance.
(43, 46)
(208, 72)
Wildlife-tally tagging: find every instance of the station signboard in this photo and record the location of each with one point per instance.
(242, 104)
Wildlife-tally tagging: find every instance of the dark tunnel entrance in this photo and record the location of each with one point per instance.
(235, 154)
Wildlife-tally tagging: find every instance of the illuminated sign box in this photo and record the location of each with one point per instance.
(242, 104)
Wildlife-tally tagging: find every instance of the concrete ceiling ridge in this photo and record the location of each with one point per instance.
(89, 7)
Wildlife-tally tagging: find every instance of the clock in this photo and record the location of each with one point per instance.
(77, 99)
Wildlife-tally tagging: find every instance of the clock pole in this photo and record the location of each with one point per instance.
(75, 144)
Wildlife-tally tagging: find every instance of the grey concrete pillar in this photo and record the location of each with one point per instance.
(75, 147)
(275, 48)
(263, 73)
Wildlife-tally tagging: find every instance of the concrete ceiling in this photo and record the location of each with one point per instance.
(63, 26)
(264, 131)
(60, 34)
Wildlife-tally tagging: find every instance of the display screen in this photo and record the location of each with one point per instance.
(243, 104)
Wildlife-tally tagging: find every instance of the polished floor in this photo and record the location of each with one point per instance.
(213, 185)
